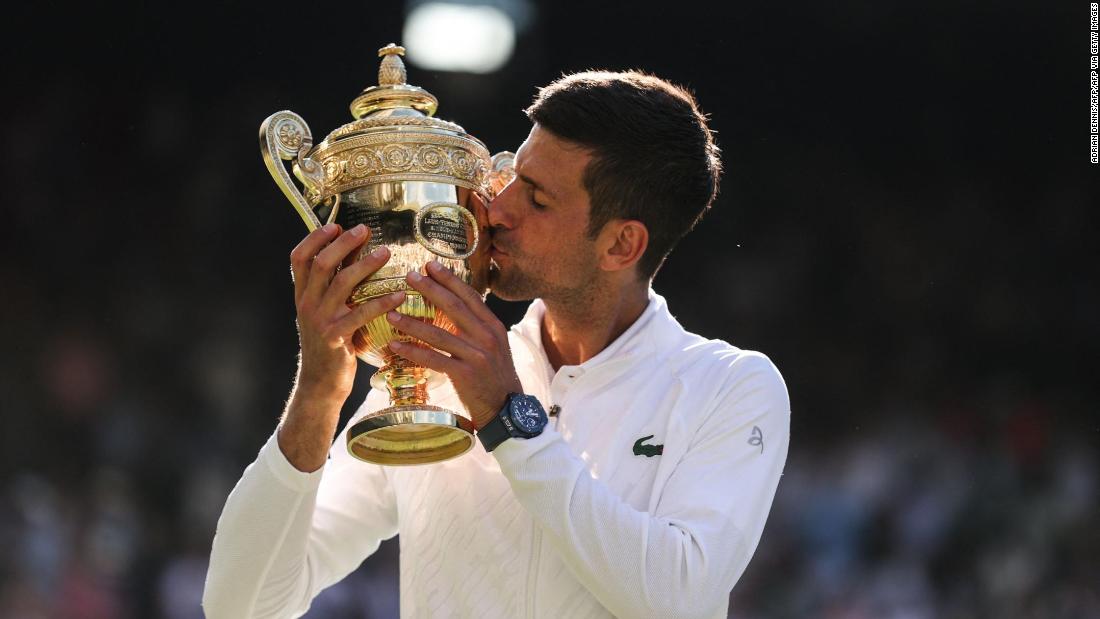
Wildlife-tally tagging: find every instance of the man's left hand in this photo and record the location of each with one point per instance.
(480, 362)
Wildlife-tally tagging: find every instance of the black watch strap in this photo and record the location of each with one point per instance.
(494, 433)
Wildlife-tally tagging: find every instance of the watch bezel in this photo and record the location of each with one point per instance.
(516, 414)
(505, 425)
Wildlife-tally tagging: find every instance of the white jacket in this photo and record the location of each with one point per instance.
(572, 523)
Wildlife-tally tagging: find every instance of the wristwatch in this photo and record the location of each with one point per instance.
(521, 417)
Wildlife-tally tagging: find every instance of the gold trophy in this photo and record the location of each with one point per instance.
(421, 185)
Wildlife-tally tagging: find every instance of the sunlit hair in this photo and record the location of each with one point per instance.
(654, 157)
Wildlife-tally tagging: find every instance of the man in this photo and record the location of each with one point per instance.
(644, 496)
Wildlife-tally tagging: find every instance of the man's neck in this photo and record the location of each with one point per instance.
(573, 332)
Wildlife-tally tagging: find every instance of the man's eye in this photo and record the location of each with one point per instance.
(535, 203)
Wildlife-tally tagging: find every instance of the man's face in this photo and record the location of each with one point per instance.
(539, 223)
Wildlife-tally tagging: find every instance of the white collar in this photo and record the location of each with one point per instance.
(635, 341)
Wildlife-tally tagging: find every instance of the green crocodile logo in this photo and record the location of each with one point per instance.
(647, 450)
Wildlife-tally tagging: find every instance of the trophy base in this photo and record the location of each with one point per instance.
(410, 434)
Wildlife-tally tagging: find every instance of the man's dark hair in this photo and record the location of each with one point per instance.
(654, 158)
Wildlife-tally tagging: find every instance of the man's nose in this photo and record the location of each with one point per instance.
(502, 211)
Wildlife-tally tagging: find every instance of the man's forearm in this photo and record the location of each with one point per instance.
(308, 425)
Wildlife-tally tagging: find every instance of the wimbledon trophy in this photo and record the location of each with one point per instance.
(421, 185)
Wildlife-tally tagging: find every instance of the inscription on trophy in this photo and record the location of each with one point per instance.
(352, 215)
(446, 229)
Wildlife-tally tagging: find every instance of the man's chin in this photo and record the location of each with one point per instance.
(504, 296)
(508, 287)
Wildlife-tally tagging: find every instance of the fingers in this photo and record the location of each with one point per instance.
(431, 334)
(456, 309)
(364, 313)
(462, 290)
(325, 262)
(351, 276)
(426, 357)
(301, 257)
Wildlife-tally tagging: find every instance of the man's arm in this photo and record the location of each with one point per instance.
(682, 559)
(326, 326)
(285, 535)
(286, 531)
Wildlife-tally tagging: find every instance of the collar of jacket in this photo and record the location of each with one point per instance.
(656, 326)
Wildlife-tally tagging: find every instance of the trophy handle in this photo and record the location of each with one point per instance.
(285, 136)
(466, 214)
(502, 172)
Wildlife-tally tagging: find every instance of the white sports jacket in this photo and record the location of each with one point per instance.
(585, 520)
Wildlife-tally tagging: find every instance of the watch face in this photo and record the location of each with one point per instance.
(527, 414)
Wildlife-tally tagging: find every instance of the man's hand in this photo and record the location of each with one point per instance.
(480, 362)
(326, 369)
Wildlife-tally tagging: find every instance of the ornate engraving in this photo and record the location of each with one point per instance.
(462, 164)
(432, 158)
(290, 134)
(363, 124)
(285, 136)
(286, 131)
(376, 288)
(357, 165)
(397, 158)
(363, 160)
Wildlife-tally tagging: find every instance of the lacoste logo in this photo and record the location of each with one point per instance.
(757, 438)
(647, 450)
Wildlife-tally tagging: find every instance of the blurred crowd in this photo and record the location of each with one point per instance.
(911, 251)
(115, 476)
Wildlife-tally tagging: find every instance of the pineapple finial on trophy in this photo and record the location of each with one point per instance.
(392, 91)
(392, 70)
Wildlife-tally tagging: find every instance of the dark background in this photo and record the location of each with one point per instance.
(904, 228)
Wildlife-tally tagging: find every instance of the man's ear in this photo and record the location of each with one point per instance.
(622, 242)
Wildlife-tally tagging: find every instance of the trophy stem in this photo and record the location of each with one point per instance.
(409, 431)
(407, 384)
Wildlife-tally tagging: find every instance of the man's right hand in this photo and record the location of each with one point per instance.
(326, 368)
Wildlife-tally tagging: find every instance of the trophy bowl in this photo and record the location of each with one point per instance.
(421, 185)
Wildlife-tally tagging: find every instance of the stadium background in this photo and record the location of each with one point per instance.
(903, 227)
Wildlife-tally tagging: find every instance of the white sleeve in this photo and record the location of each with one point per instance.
(285, 535)
(684, 558)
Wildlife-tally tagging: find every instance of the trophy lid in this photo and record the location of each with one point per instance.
(392, 92)
(396, 138)
(393, 102)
